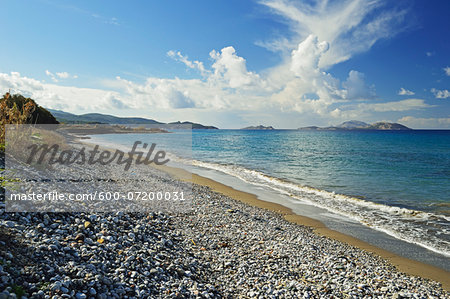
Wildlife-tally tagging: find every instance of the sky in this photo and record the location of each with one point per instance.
(234, 63)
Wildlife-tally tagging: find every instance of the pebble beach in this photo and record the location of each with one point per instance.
(219, 248)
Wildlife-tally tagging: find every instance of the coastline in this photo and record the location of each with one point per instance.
(228, 243)
(406, 265)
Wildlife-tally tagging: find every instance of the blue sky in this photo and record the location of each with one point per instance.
(233, 63)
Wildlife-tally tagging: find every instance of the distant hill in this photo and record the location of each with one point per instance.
(388, 126)
(359, 125)
(353, 124)
(260, 127)
(97, 118)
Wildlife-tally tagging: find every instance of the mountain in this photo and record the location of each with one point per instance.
(359, 125)
(97, 118)
(260, 127)
(353, 124)
(388, 126)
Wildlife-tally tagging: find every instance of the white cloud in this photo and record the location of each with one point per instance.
(159, 93)
(429, 54)
(300, 84)
(55, 96)
(59, 75)
(184, 59)
(357, 88)
(362, 110)
(281, 44)
(232, 68)
(305, 87)
(350, 27)
(305, 59)
(324, 34)
(447, 70)
(404, 105)
(111, 100)
(425, 123)
(51, 75)
(17, 83)
(440, 94)
(63, 75)
(405, 92)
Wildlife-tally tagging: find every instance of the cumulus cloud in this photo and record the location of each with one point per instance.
(351, 26)
(356, 88)
(63, 75)
(405, 92)
(59, 75)
(308, 88)
(305, 59)
(173, 97)
(19, 84)
(227, 71)
(447, 70)
(58, 97)
(325, 33)
(111, 100)
(440, 94)
(425, 123)
(232, 68)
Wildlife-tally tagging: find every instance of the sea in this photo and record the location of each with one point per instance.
(395, 182)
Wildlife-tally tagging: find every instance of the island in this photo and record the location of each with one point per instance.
(260, 127)
(359, 125)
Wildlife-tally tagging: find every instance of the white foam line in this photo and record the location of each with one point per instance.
(399, 213)
(271, 182)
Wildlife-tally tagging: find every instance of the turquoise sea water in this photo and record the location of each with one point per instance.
(394, 181)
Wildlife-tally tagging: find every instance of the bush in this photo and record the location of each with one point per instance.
(16, 109)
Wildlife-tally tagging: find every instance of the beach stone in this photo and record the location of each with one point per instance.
(80, 296)
(79, 237)
(221, 248)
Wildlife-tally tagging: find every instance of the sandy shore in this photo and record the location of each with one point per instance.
(405, 265)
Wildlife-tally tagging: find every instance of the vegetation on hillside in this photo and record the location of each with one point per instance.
(17, 109)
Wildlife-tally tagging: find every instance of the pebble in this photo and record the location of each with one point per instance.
(221, 248)
(80, 296)
(10, 223)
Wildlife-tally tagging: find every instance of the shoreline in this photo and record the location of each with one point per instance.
(403, 264)
(227, 244)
